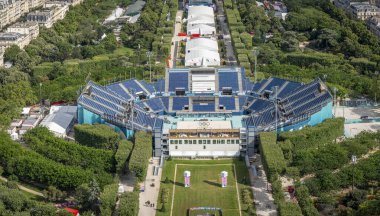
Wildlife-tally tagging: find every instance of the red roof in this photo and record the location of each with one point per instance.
(74, 211)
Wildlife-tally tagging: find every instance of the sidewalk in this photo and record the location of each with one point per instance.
(263, 199)
(24, 188)
(176, 38)
(150, 193)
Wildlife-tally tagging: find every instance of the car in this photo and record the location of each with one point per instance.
(363, 117)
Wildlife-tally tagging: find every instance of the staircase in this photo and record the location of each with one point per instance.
(170, 108)
(240, 83)
(216, 104)
(190, 104)
(282, 88)
(216, 81)
(265, 85)
(237, 109)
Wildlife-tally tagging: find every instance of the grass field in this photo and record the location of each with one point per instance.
(205, 189)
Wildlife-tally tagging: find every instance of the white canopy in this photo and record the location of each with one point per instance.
(201, 29)
(202, 58)
(200, 10)
(58, 123)
(202, 44)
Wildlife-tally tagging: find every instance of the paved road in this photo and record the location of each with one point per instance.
(24, 188)
(230, 54)
(264, 201)
(150, 193)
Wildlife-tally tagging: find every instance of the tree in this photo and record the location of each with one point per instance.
(52, 194)
(24, 62)
(11, 53)
(129, 204)
(328, 38)
(122, 155)
(93, 195)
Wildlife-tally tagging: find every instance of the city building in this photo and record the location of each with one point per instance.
(11, 10)
(49, 15)
(363, 10)
(26, 28)
(2, 56)
(8, 39)
(36, 3)
(374, 25)
(73, 2)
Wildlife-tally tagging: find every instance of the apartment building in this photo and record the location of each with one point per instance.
(26, 28)
(51, 13)
(1, 57)
(8, 39)
(374, 25)
(11, 10)
(363, 10)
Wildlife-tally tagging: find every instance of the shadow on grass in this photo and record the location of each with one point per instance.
(212, 183)
(177, 183)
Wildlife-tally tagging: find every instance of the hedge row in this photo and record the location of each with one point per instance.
(305, 202)
(42, 141)
(97, 136)
(122, 155)
(142, 151)
(312, 137)
(31, 166)
(273, 158)
(108, 199)
(129, 204)
(289, 209)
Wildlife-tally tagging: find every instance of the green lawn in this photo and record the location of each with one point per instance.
(205, 189)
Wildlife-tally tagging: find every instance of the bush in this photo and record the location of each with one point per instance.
(42, 141)
(273, 158)
(312, 137)
(289, 209)
(129, 204)
(28, 165)
(122, 155)
(305, 202)
(142, 151)
(97, 136)
(108, 199)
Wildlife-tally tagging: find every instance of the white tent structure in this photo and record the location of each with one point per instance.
(58, 123)
(195, 11)
(202, 58)
(202, 52)
(202, 44)
(60, 119)
(201, 29)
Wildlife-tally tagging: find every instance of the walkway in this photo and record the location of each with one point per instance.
(230, 54)
(150, 193)
(175, 40)
(264, 202)
(24, 188)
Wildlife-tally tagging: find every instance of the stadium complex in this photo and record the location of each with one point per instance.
(205, 111)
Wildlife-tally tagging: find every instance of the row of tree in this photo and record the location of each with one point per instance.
(42, 141)
(142, 151)
(33, 167)
(96, 136)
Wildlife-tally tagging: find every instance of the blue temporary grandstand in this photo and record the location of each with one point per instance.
(190, 99)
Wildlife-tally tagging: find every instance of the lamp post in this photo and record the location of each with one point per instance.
(149, 54)
(40, 98)
(255, 53)
(353, 160)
